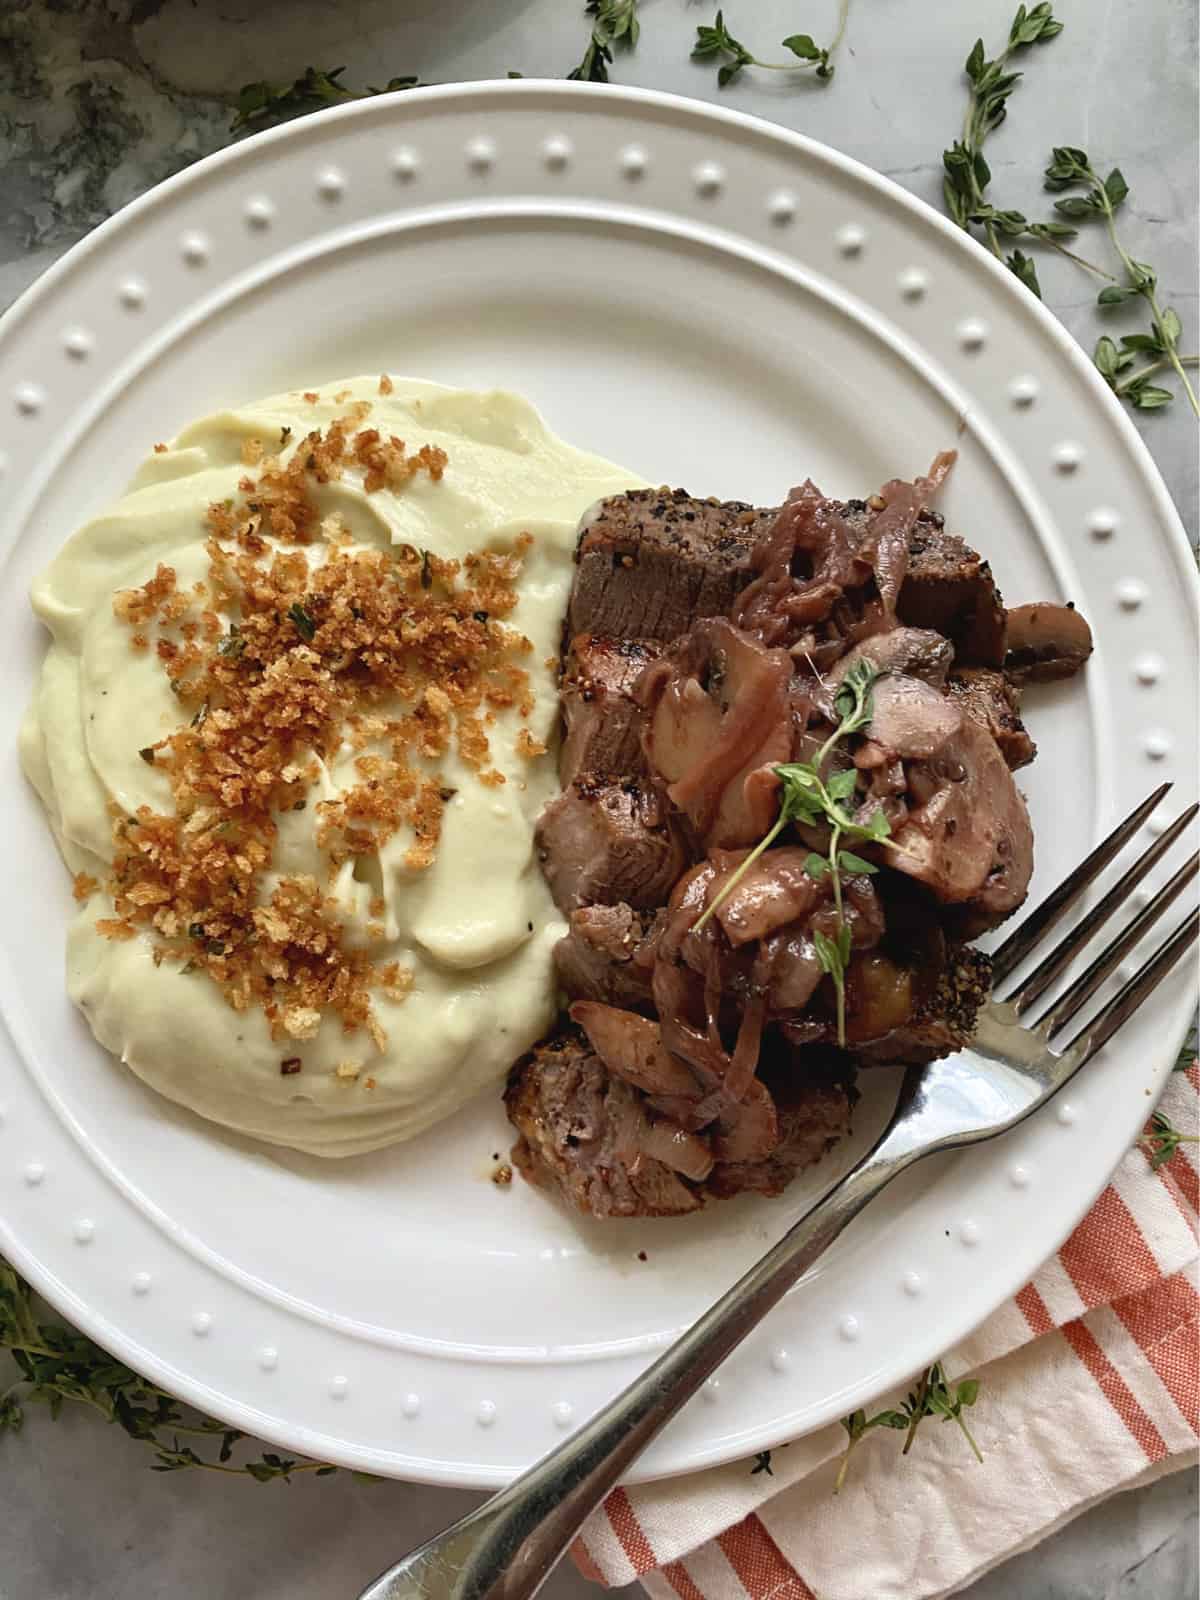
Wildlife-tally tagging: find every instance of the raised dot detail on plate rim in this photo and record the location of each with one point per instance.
(912, 1283)
(331, 184)
(35, 1172)
(1148, 669)
(485, 1413)
(481, 153)
(1130, 592)
(1067, 456)
(913, 283)
(29, 398)
(1103, 523)
(85, 1230)
(1023, 390)
(634, 161)
(557, 151)
(140, 1283)
(849, 1328)
(851, 239)
(780, 1359)
(972, 333)
(195, 249)
(781, 207)
(405, 162)
(1157, 744)
(711, 1390)
(268, 1358)
(968, 1231)
(1067, 1113)
(1020, 1177)
(202, 1324)
(259, 211)
(338, 1387)
(562, 1411)
(410, 1406)
(708, 177)
(132, 294)
(78, 343)
(1157, 826)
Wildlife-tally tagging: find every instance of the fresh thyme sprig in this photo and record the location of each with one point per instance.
(616, 23)
(1100, 200)
(809, 798)
(262, 104)
(1161, 1138)
(967, 174)
(933, 1396)
(57, 1366)
(716, 42)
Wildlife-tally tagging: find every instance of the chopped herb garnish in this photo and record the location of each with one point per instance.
(147, 755)
(426, 570)
(201, 716)
(616, 23)
(809, 798)
(302, 622)
(284, 435)
(234, 644)
(1161, 1138)
(933, 1397)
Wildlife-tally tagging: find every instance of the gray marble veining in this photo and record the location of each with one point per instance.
(100, 99)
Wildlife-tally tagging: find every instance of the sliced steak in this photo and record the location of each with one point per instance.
(942, 1022)
(992, 700)
(579, 1131)
(812, 1118)
(602, 842)
(652, 561)
(950, 588)
(601, 721)
(595, 961)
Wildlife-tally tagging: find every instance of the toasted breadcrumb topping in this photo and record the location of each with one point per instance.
(278, 664)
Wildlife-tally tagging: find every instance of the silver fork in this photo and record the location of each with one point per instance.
(507, 1548)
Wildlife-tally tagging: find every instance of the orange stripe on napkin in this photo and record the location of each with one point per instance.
(1033, 1309)
(1107, 1255)
(680, 1579)
(755, 1557)
(1164, 1322)
(1115, 1390)
(582, 1557)
(629, 1531)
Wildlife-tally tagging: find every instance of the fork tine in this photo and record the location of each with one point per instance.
(1085, 986)
(1018, 945)
(1140, 987)
(1040, 979)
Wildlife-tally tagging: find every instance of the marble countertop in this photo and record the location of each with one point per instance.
(100, 99)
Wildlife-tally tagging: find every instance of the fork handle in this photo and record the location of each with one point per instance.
(507, 1548)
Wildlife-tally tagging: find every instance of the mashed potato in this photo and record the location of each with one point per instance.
(474, 929)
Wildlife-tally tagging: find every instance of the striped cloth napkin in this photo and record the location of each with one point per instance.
(1090, 1383)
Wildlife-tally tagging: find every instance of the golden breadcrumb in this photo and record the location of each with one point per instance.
(401, 655)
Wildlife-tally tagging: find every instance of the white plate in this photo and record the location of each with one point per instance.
(712, 302)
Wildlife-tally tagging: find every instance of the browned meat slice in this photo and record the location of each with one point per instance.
(940, 1023)
(994, 702)
(654, 560)
(950, 589)
(1046, 642)
(812, 1118)
(600, 843)
(582, 1132)
(595, 961)
(602, 722)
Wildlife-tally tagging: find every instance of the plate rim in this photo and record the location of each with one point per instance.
(390, 109)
